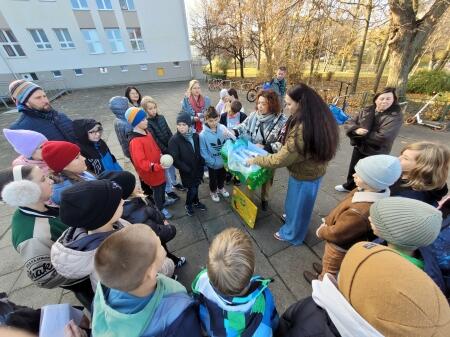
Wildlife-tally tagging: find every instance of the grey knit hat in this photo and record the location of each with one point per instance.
(380, 171)
(184, 118)
(406, 223)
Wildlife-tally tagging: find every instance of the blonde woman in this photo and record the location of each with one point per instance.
(424, 172)
(195, 104)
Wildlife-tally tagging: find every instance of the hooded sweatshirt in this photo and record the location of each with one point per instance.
(119, 106)
(98, 156)
(251, 315)
(168, 311)
(211, 143)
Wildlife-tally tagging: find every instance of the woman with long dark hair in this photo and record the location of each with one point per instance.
(373, 131)
(134, 96)
(309, 142)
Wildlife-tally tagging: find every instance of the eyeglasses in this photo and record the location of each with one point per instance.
(98, 131)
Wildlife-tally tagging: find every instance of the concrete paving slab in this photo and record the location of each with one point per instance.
(189, 231)
(5, 240)
(36, 297)
(282, 295)
(10, 260)
(197, 256)
(7, 281)
(22, 281)
(263, 234)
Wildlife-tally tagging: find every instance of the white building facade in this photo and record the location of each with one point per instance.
(91, 43)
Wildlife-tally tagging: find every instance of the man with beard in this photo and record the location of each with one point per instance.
(37, 114)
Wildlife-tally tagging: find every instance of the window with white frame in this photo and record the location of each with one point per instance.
(79, 4)
(78, 72)
(57, 73)
(104, 4)
(143, 67)
(176, 64)
(92, 40)
(123, 68)
(103, 70)
(64, 38)
(137, 43)
(9, 43)
(40, 39)
(127, 5)
(29, 76)
(115, 40)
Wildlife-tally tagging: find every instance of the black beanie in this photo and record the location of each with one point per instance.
(90, 204)
(126, 180)
(184, 118)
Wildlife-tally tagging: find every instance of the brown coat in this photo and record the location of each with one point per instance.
(348, 223)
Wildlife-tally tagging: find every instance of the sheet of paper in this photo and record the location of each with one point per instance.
(55, 317)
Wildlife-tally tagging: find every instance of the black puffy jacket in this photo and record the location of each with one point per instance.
(160, 131)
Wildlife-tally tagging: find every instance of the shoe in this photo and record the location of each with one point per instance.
(215, 197)
(277, 236)
(166, 214)
(317, 267)
(200, 206)
(189, 210)
(310, 276)
(173, 195)
(179, 187)
(181, 262)
(341, 188)
(169, 201)
(237, 183)
(224, 193)
(283, 217)
(264, 205)
(206, 174)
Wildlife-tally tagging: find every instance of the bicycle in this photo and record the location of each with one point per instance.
(439, 125)
(215, 84)
(253, 92)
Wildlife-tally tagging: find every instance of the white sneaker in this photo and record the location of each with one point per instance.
(215, 197)
(223, 192)
(341, 188)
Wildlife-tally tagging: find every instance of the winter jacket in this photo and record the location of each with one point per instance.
(259, 132)
(279, 86)
(73, 253)
(301, 167)
(21, 160)
(168, 312)
(186, 107)
(383, 129)
(440, 249)
(119, 106)
(210, 145)
(430, 197)
(52, 124)
(146, 155)
(251, 315)
(160, 131)
(348, 223)
(58, 188)
(98, 156)
(224, 118)
(33, 235)
(188, 162)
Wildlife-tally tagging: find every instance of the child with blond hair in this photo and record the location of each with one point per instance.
(234, 302)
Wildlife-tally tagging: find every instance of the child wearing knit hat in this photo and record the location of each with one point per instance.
(146, 158)
(348, 222)
(409, 226)
(28, 144)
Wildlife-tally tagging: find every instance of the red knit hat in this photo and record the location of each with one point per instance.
(58, 154)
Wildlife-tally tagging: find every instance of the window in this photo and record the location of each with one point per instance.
(115, 40)
(127, 5)
(137, 43)
(176, 64)
(92, 40)
(79, 4)
(103, 70)
(78, 72)
(123, 68)
(29, 76)
(10, 44)
(64, 38)
(57, 73)
(104, 4)
(160, 72)
(40, 38)
(143, 66)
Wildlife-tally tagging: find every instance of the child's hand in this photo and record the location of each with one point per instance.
(361, 131)
(318, 230)
(72, 330)
(250, 161)
(166, 222)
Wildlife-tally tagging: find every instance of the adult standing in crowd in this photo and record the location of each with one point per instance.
(134, 96)
(373, 131)
(309, 142)
(195, 105)
(278, 84)
(263, 127)
(37, 114)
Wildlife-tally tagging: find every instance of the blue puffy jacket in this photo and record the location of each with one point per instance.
(119, 106)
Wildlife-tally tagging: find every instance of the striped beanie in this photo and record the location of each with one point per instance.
(406, 223)
(21, 90)
(135, 115)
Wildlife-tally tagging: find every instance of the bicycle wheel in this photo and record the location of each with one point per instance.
(251, 95)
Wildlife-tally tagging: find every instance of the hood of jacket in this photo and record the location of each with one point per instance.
(81, 128)
(119, 106)
(133, 134)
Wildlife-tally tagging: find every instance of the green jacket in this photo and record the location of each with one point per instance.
(300, 167)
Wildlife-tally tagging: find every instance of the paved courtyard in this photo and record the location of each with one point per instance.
(274, 259)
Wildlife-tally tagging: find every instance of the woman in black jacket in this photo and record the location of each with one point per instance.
(373, 131)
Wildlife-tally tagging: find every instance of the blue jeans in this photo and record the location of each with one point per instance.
(300, 198)
(171, 178)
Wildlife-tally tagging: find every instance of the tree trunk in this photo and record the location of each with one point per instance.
(380, 71)
(433, 61)
(408, 36)
(235, 68)
(241, 66)
(343, 62)
(445, 58)
(381, 56)
(210, 65)
(368, 7)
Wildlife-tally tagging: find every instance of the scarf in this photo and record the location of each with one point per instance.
(48, 115)
(262, 128)
(198, 106)
(189, 136)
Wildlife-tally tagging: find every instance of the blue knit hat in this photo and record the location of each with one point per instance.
(21, 90)
(135, 115)
(380, 171)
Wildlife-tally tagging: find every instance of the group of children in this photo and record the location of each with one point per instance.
(109, 237)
